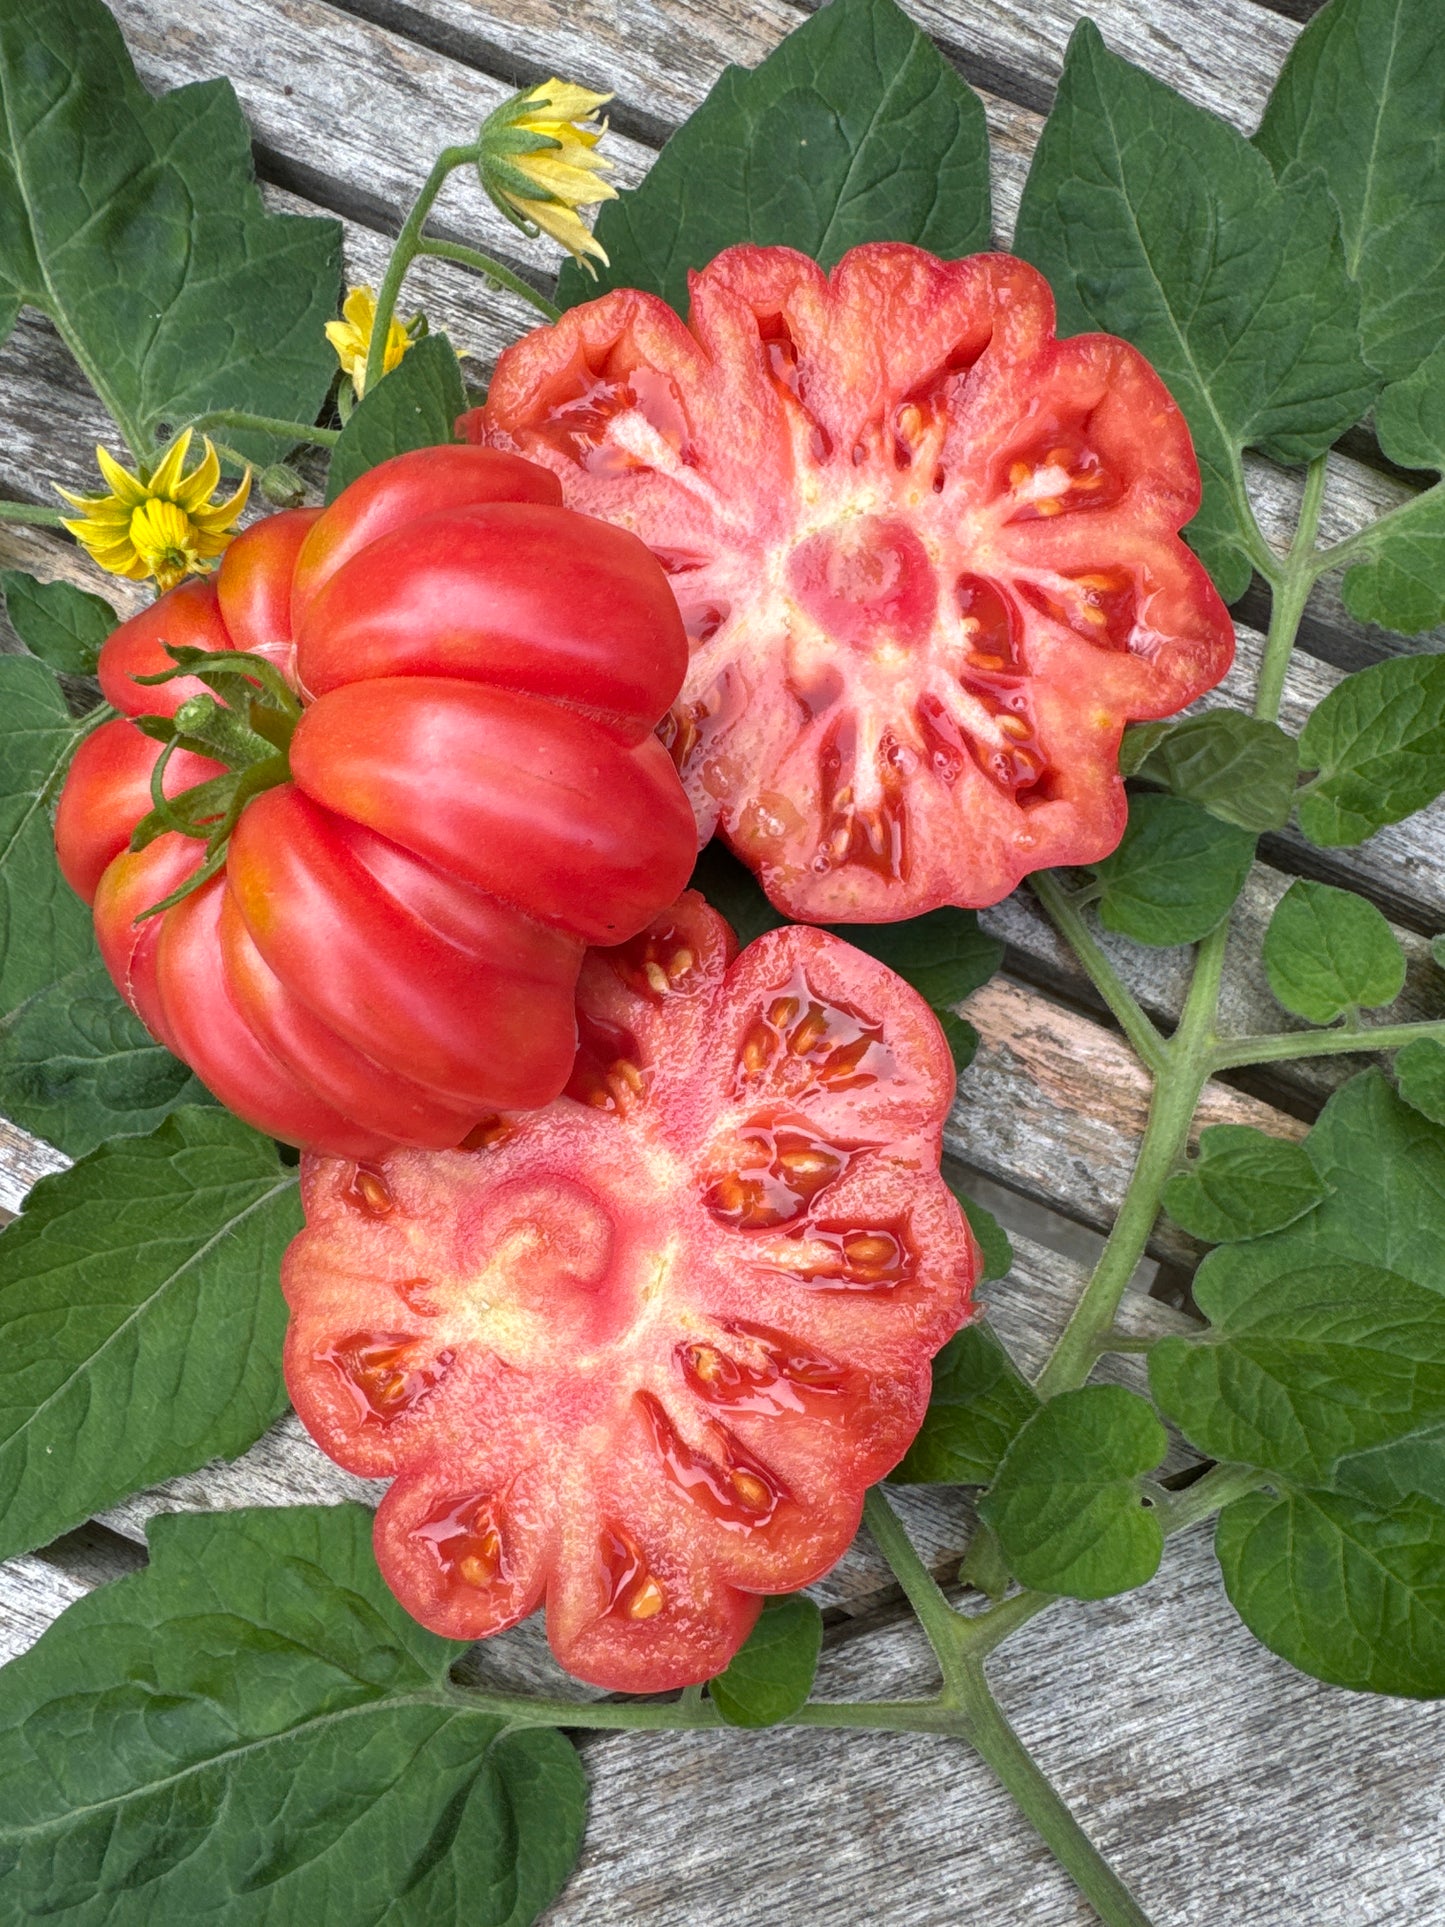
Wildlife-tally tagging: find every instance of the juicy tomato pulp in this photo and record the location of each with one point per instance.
(640, 1354)
(474, 795)
(927, 557)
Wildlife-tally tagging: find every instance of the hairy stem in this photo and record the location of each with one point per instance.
(493, 270)
(1176, 1094)
(1362, 546)
(991, 1736)
(1286, 1044)
(942, 1624)
(1063, 913)
(1209, 1494)
(1290, 593)
(29, 512)
(294, 432)
(408, 242)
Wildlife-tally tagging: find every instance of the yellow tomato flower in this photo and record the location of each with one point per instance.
(351, 337)
(165, 526)
(539, 163)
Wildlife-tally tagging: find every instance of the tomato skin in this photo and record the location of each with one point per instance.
(364, 971)
(616, 1361)
(406, 489)
(458, 1018)
(927, 556)
(510, 786)
(106, 794)
(190, 617)
(407, 606)
(253, 586)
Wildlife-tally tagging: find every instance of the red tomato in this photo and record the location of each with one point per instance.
(641, 1353)
(926, 554)
(473, 793)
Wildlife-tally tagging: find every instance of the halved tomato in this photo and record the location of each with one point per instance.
(639, 1354)
(927, 556)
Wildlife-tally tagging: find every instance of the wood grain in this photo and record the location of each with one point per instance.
(1224, 1787)
(1054, 1105)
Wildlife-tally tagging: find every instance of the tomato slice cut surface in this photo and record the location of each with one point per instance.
(927, 557)
(638, 1355)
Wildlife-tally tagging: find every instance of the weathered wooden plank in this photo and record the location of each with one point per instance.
(1222, 1786)
(1053, 1105)
(330, 97)
(1159, 978)
(662, 56)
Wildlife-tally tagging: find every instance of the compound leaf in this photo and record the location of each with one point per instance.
(1242, 1184)
(1175, 874)
(1328, 952)
(771, 1674)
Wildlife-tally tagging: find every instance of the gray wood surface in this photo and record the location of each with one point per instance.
(1226, 1788)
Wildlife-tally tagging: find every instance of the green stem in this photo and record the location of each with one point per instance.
(690, 1696)
(1290, 593)
(991, 1736)
(1288, 1044)
(29, 512)
(1362, 546)
(404, 253)
(1210, 1493)
(939, 1621)
(1063, 913)
(262, 425)
(493, 270)
(1176, 1094)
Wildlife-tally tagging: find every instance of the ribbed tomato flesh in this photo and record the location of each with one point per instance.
(927, 557)
(639, 1354)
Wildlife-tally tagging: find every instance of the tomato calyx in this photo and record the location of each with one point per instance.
(244, 719)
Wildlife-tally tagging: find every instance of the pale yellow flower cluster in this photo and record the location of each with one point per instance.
(539, 163)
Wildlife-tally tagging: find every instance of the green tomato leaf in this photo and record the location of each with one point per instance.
(1347, 1592)
(1328, 951)
(1378, 742)
(994, 1241)
(943, 954)
(771, 1674)
(1420, 1075)
(980, 1403)
(252, 1729)
(44, 927)
(1157, 221)
(77, 1066)
(415, 406)
(136, 225)
(1362, 97)
(1402, 583)
(143, 1319)
(1382, 1166)
(1066, 1501)
(1243, 1183)
(1175, 873)
(1239, 768)
(1137, 742)
(1319, 1365)
(854, 129)
(57, 622)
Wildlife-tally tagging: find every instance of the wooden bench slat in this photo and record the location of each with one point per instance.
(1222, 1785)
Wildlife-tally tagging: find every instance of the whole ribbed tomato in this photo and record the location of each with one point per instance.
(430, 781)
(927, 556)
(640, 1353)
